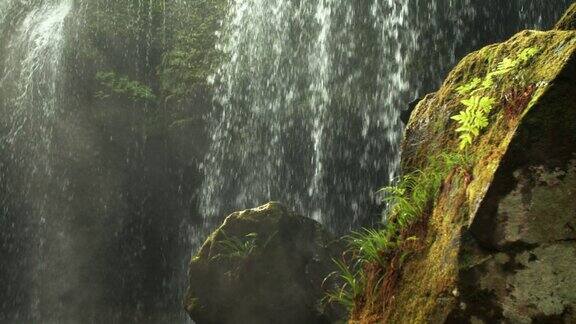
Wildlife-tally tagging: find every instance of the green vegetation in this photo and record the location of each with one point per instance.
(410, 200)
(414, 195)
(354, 282)
(237, 247)
(193, 56)
(240, 247)
(475, 117)
(538, 80)
(370, 244)
(122, 85)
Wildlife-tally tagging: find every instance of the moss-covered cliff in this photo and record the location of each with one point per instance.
(497, 241)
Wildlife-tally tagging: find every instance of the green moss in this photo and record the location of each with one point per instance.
(568, 21)
(533, 83)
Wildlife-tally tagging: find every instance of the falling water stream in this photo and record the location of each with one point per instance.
(306, 110)
(31, 83)
(310, 96)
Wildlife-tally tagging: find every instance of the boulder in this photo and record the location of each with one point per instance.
(264, 265)
(499, 240)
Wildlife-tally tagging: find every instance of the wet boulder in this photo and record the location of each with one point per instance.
(497, 244)
(264, 265)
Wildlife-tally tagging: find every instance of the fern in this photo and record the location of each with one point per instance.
(487, 83)
(469, 87)
(409, 201)
(528, 53)
(505, 66)
(473, 119)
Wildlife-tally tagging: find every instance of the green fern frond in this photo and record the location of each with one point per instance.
(528, 53)
(505, 66)
(469, 87)
(473, 119)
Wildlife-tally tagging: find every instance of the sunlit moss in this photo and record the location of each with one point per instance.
(431, 132)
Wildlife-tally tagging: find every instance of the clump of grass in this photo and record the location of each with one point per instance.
(409, 200)
(414, 193)
(353, 283)
(237, 247)
(370, 245)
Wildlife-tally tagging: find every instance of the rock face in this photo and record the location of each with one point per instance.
(263, 265)
(500, 245)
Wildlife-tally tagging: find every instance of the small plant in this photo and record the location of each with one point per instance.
(469, 87)
(505, 66)
(473, 119)
(516, 101)
(409, 201)
(353, 283)
(121, 85)
(370, 245)
(415, 191)
(528, 53)
(237, 247)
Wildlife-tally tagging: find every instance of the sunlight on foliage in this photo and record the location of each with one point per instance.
(505, 66)
(475, 116)
(414, 194)
(528, 53)
(473, 119)
(370, 244)
(469, 87)
(415, 191)
(409, 200)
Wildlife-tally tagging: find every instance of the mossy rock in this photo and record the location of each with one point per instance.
(568, 21)
(264, 265)
(501, 236)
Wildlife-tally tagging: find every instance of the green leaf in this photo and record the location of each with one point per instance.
(488, 82)
(505, 66)
(528, 53)
(470, 86)
(473, 119)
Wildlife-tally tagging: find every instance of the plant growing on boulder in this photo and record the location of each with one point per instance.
(240, 247)
(353, 284)
(409, 201)
(474, 118)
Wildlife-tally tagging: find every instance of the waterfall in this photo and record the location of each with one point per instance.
(31, 91)
(309, 100)
(99, 192)
(309, 96)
